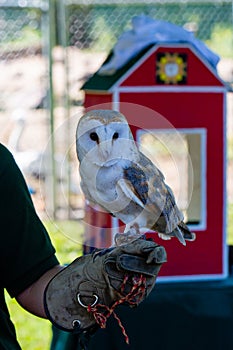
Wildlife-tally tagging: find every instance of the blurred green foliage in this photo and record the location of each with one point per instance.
(20, 28)
(221, 40)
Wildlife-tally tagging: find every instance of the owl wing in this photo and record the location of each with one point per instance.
(136, 182)
(145, 184)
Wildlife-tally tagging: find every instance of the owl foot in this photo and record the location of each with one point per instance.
(127, 237)
(182, 236)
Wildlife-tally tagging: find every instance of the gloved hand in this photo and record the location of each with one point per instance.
(86, 292)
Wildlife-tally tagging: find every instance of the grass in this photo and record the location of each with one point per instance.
(35, 333)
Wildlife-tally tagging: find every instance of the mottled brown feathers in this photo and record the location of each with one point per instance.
(105, 117)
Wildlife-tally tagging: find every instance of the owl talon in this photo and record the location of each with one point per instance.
(126, 237)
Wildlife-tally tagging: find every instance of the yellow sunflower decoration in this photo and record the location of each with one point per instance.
(171, 68)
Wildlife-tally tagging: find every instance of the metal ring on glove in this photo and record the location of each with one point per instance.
(86, 306)
(76, 324)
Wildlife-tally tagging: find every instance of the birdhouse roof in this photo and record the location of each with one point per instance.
(200, 69)
(105, 82)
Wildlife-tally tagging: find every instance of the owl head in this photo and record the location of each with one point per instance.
(103, 137)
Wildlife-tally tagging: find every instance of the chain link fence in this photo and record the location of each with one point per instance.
(97, 24)
(21, 36)
(24, 88)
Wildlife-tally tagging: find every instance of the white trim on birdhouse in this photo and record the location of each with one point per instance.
(192, 89)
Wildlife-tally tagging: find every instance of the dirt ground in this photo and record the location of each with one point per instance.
(25, 126)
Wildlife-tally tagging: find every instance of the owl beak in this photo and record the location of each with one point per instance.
(105, 149)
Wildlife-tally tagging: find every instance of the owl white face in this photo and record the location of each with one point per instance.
(105, 142)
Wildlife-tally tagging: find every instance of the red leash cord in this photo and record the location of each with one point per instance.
(102, 312)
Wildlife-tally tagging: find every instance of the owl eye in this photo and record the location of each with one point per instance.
(94, 136)
(115, 136)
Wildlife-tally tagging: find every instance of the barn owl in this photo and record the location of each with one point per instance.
(122, 180)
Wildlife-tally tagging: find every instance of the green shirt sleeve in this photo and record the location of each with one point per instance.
(26, 251)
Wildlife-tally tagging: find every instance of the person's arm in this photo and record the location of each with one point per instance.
(32, 298)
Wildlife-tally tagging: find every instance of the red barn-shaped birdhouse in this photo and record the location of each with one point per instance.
(175, 105)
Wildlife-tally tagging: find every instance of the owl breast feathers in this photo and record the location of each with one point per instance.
(122, 180)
